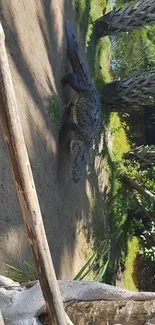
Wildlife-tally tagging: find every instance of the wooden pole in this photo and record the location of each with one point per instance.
(26, 191)
(1, 319)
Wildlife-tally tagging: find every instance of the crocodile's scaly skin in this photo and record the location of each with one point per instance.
(86, 111)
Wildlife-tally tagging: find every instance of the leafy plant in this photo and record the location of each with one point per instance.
(20, 275)
(96, 261)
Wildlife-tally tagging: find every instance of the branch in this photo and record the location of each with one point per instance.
(1, 319)
(140, 189)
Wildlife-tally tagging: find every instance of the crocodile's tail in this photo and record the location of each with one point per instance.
(79, 159)
(73, 52)
(72, 45)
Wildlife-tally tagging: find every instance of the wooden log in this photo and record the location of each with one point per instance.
(1, 319)
(110, 312)
(26, 191)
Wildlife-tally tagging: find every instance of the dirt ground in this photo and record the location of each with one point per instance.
(36, 47)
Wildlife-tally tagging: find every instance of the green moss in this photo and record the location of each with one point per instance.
(133, 248)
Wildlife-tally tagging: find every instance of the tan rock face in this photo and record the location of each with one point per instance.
(36, 47)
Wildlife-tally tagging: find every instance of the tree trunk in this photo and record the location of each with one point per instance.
(145, 155)
(110, 312)
(133, 16)
(136, 90)
(141, 190)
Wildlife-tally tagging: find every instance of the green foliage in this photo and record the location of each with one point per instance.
(55, 111)
(120, 141)
(133, 249)
(138, 222)
(123, 3)
(119, 198)
(119, 231)
(102, 63)
(103, 268)
(89, 11)
(87, 268)
(146, 273)
(117, 220)
(98, 222)
(133, 52)
(151, 34)
(128, 53)
(144, 177)
(146, 259)
(19, 275)
(96, 264)
(98, 53)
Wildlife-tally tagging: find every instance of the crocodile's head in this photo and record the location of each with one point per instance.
(79, 159)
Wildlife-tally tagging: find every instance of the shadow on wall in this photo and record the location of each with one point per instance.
(36, 46)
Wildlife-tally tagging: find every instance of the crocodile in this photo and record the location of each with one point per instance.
(85, 113)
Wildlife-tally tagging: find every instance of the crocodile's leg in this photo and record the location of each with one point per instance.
(67, 110)
(72, 80)
(65, 128)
